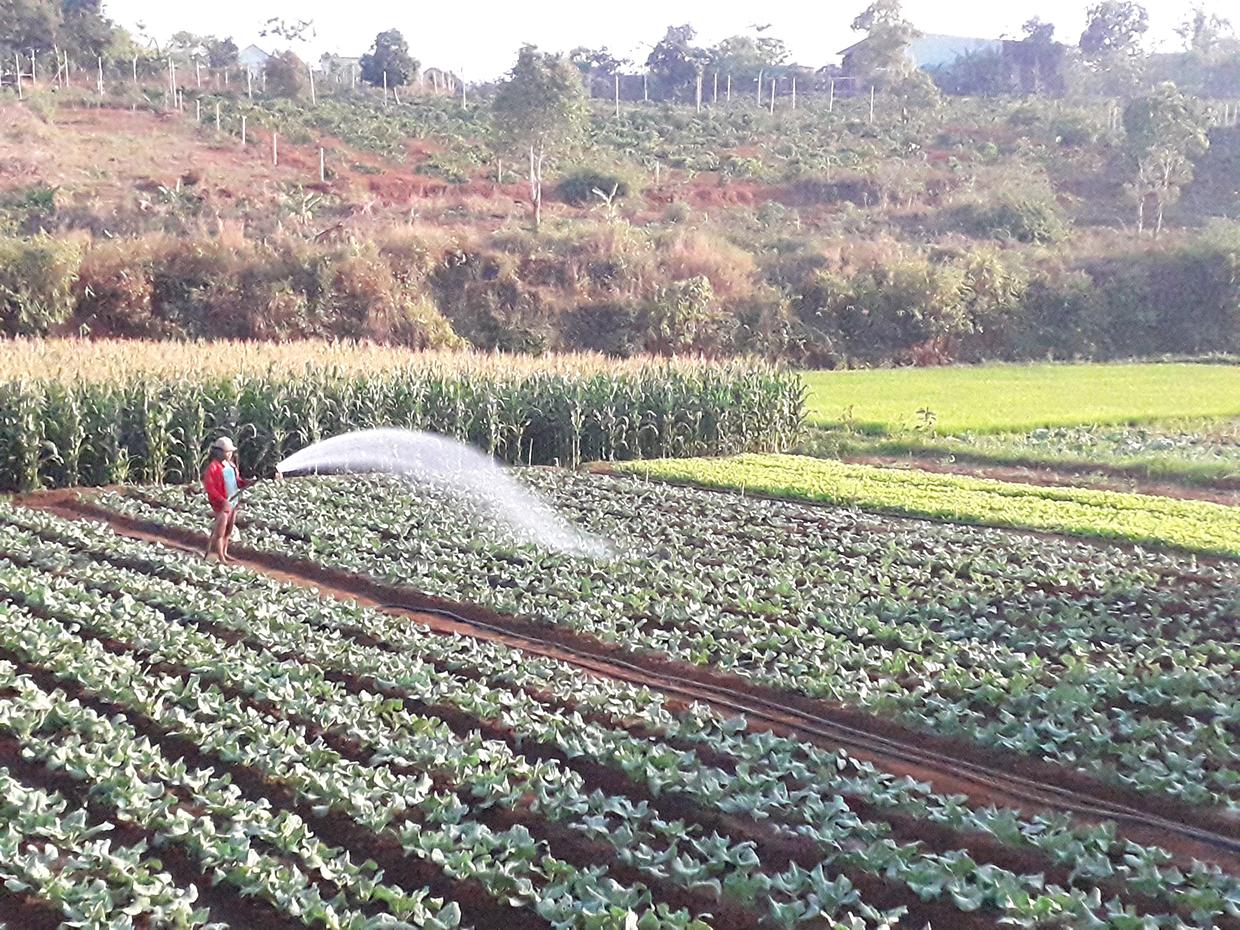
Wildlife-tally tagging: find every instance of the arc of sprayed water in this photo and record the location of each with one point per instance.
(454, 467)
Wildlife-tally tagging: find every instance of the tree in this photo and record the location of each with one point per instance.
(745, 57)
(541, 105)
(26, 24)
(1210, 65)
(981, 73)
(1113, 27)
(1037, 32)
(1164, 132)
(84, 29)
(222, 53)
(598, 68)
(389, 55)
(1111, 62)
(290, 30)
(1203, 32)
(1037, 60)
(286, 75)
(675, 62)
(881, 58)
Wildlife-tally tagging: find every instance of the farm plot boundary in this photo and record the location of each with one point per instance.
(985, 775)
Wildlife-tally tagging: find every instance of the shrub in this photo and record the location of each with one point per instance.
(1023, 217)
(36, 284)
(1074, 130)
(1184, 299)
(485, 300)
(367, 302)
(114, 291)
(742, 167)
(677, 212)
(691, 253)
(682, 317)
(901, 309)
(578, 187)
(1056, 317)
(613, 328)
(992, 287)
(212, 288)
(286, 75)
(29, 209)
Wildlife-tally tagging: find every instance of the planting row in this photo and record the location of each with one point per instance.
(1187, 524)
(354, 736)
(1117, 662)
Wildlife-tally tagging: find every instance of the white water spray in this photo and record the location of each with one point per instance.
(464, 473)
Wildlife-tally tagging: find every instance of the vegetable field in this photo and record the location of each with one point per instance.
(147, 411)
(187, 745)
(1007, 398)
(1192, 525)
(1115, 662)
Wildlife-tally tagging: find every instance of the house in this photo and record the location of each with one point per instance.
(934, 51)
(253, 59)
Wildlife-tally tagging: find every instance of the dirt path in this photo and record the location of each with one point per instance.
(986, 776)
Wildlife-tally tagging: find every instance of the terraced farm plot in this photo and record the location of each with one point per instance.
(1007, 398)
(297, 761)
(1119, 663)
(1197, 526)
(1163, 422)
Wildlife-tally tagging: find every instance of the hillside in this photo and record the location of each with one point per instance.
(975, 228)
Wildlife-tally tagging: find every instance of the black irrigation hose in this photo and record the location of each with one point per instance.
(1047, 795)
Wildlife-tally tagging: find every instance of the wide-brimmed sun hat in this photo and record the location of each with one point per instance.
(224, 444)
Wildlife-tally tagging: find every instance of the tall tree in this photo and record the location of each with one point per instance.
(1113, 27)
(1037, 59)
(675, 62)
(286, 75)
(540, 107)
(881, 58)
(745, 57)
(389, 55)
(222, 53)
(1111, 59)
(1203, 32)
(1164, 132)
(26, 24)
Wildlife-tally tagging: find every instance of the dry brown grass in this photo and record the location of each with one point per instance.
(688, 253)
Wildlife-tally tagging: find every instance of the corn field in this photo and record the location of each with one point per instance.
(81, 413)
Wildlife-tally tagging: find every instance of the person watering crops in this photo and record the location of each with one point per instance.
(223, 484)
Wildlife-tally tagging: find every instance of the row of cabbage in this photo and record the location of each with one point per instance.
(1119, 662)
(115, 648)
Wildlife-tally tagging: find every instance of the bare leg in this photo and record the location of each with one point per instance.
(217, 532)
(227, 535)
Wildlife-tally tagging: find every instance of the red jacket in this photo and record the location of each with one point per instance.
(213, 483)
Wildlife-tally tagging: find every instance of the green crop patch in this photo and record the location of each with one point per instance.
(1005, 398)
(86, 413)
(987, 635)
(347, 761)
(1142, 518)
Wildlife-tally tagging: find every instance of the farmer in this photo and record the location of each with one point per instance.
(223, 485)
